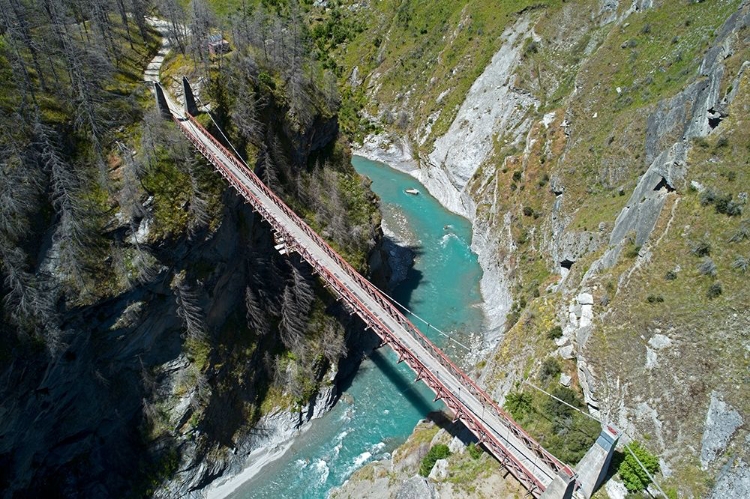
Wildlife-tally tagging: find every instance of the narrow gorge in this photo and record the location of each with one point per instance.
(578, 243)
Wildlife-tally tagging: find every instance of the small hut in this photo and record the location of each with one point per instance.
(217, 45)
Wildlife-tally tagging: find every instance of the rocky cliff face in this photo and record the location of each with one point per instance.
(583, 153)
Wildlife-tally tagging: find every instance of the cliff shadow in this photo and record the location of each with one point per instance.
(410, 278)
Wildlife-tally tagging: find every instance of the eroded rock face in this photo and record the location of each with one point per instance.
(492, 104)
(733, 481)
(721, 422)
(416, 488)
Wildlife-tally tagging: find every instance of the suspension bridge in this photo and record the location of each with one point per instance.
(536, 469)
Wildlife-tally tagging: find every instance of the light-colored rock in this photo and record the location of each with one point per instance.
(587, 316)
(562, 341)
(722, 421)
(585, 299)
(456, 446)
(441, 437)
(439, 471)
(416, 488)
(615, 489)
(651, 359)
(660, 342)
(565, 379)
(491, 105)
(733, 481)
(697, 186)
(566, 352)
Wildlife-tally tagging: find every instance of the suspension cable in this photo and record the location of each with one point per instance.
(562, 401)
(210, 115)
(450, 338)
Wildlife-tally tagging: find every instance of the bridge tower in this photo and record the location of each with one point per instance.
(161, 102)
(592, 469)
(190, 107)
(590, 472)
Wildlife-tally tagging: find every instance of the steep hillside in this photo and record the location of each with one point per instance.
(599, 148)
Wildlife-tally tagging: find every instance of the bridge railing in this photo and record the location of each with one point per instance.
(372, 291)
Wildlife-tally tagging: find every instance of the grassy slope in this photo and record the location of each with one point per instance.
(704, 330)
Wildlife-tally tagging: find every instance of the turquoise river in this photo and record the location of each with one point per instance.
(381, 404)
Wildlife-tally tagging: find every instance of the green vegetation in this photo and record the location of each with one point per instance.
(631, 473)
(438, 451)
(550, 370)
(563, 431)
(475, 451)
(555, 333)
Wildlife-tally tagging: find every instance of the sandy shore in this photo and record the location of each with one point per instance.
(254, 464)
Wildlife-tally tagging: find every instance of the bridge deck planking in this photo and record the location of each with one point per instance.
(525, 459)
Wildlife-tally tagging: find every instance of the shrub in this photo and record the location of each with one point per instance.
(267, 80)
(633, 252)
(708, 267)
(722, 203)
(439, 451)
(655, 299)
(714, 291)
(474, 451)
(702, 248)
(518, 404)
(550, 369)
(554, 333)
(516, 176)
(671, 275)
(702, 142)
(740, 263)
(530, 47)
(528, 211)
(633, 476)
(742, 233)
(708, 197)
(726, 206)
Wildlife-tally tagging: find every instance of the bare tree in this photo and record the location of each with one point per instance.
(333, 345)
(187, 307)
(292, 327)
(257, 318)
(175, 14)
(201, 22)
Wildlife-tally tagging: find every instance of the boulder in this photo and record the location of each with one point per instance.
(439, 471)
(659, 342)
(416, 487)
(456, 446)
(566, 352)
(585, 299)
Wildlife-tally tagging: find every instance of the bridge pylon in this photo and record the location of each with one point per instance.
(592, 469)
(190, 107)
(161, 102)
